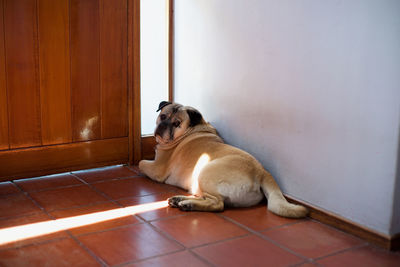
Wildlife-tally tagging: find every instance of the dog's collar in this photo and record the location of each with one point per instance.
(204, 128)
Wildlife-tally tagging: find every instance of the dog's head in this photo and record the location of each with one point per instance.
(174, 121)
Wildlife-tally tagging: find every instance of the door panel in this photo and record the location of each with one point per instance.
(85, 70)
(55, 92)
(113, 67)
(21, 68)
(66, 85)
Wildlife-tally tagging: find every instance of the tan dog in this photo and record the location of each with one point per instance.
(191, 155)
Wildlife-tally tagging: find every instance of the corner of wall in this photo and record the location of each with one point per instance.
(395, 224)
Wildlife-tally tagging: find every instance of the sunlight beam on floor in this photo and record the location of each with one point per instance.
(22, 232)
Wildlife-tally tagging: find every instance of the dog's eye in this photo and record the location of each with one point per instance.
(177, 123)
(163, 117)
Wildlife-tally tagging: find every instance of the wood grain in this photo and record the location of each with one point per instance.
(3, 87)
(58, 158)
(21, 64)
(135, 153)
(113, 68)
(53, 17)
(85, 80)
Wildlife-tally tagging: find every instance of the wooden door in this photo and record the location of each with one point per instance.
(65, 85)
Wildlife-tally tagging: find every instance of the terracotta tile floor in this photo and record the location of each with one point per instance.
(64, 206)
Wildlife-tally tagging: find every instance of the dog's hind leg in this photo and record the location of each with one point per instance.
(277, 202)
(206, 202)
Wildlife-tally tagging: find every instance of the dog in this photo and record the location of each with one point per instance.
(191, 155)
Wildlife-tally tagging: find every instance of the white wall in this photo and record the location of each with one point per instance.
(311, 88)
(153, 60)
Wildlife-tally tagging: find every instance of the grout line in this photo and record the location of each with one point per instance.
(105, 179)
(13, 185)
(53, 188)
(163, 218)
(20, 215)
(18, 187)
(341, 251)
(107, 229)
(341, 231)
(163, 255)
(91, 253)
(263, 237)
(115, 201)
(278, 226)
(164, 234)
(96, 190)
(220, 241)
(24, 214)
(201, 258)
(51, 217)
(302, 263)
(148, 258)
(80, 206)
(35, 243)
(308, 260)
(35, 202)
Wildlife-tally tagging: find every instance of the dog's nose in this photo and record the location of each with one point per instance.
(161, 128)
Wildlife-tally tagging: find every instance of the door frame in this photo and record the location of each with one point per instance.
(135, 136)
(148, 142)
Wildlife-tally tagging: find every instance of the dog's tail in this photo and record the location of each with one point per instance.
(277, 202)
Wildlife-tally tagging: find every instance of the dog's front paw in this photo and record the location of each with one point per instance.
(174, 201)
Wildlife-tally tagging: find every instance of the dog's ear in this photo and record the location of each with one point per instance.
(195, 117)
(163, 104)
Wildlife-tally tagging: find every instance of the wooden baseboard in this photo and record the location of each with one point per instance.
(24, 163)
(395, 242)
(334, 220)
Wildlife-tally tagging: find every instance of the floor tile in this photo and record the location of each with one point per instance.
(247, 251)
(7, 188)
(128, 244)
(130, 187)
(67, 197)
(153, 214)
(308, 264)
(26, 221)
(100, 207)
(19, 204)
(312, 239)
(183, 258)
(199, 228)
(106, 173)
(136, 169)
(257, 218)
(47, 182)
(65, 252)
(366, 256)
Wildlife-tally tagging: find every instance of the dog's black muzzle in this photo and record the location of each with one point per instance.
(161, 128)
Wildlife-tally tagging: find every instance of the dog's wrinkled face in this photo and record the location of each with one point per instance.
(174, 120)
